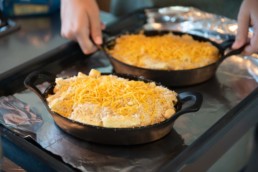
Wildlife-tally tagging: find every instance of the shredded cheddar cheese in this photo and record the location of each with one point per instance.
(166, 52)
(111, 101)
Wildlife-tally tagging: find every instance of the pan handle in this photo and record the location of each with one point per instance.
(195, 100)
(234, 52)
(34, 78)
(228, 44)
(105, 38)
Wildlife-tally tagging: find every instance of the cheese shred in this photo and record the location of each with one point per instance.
(165, 52)
(111, 101)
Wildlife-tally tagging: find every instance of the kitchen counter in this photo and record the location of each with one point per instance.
(36, 36)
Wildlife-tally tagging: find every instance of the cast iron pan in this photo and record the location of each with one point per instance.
(114, 136)
(176, 78)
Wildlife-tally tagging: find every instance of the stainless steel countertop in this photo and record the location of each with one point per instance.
(36, 36)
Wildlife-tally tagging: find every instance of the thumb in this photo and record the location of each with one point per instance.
(242, 31)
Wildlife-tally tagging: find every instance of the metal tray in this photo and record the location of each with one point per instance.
(196, 141)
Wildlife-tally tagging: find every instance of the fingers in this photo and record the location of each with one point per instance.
(248, 16)
(86, 44)
(81, 23)
(243, 26)
(252, 47)
(83, 37)
(95, 24)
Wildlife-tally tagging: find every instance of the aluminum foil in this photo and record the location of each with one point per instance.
(19, 117)
(191, 20)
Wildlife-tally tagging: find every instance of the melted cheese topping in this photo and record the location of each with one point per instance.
(111, 101)
(167, 52)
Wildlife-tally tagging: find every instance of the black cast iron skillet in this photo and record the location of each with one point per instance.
(175, 78)
(114, 136)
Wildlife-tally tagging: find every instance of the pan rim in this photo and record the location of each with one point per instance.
(204, 39)
(177, 106)
(160, 70)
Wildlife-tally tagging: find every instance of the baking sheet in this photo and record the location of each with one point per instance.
(221, 94)
(235, 78)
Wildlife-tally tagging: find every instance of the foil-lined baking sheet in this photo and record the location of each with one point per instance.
(19, 117)
(191, 20)
(235, 78)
